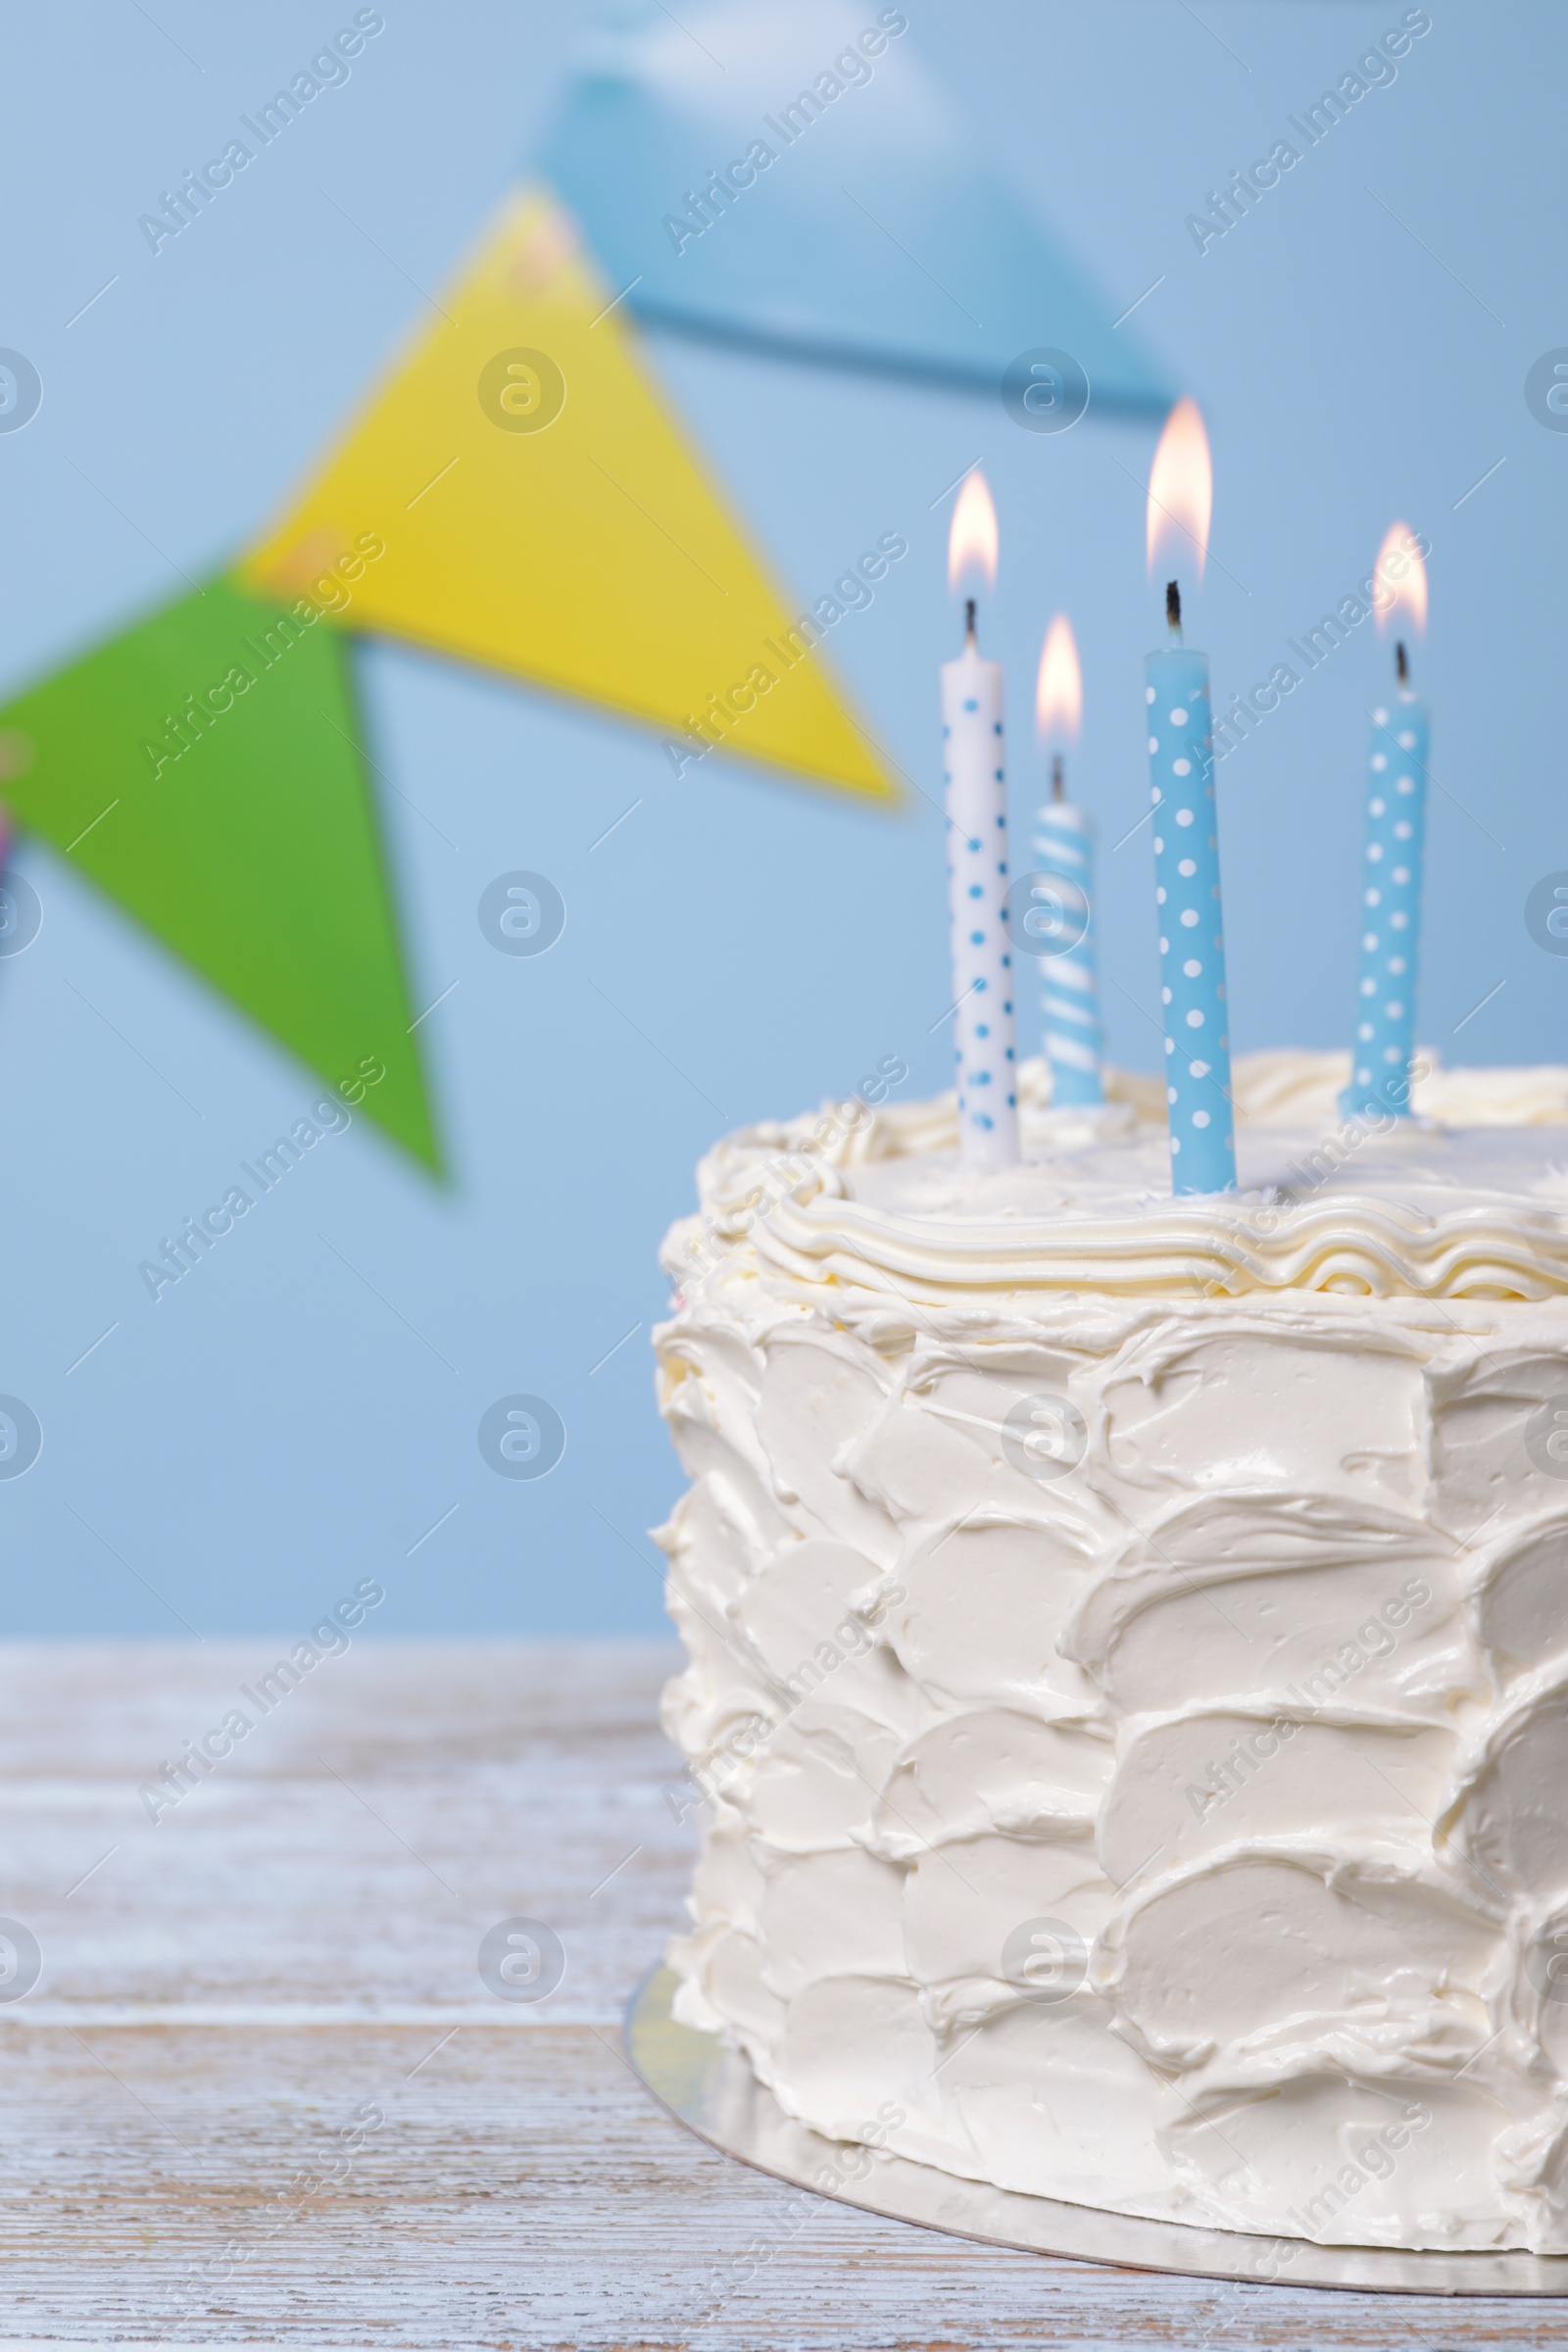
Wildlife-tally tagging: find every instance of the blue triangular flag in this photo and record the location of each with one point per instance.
(792, 180)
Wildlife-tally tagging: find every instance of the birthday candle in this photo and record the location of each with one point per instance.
(1391, 869)
(1181, 770)
(1064, 845)
(974, 773)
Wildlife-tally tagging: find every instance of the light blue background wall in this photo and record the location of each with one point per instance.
(237, 1457)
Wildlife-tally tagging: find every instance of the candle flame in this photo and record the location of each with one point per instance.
(1181, 489)
(1060, 687)
(1400, 586)
(972, 540)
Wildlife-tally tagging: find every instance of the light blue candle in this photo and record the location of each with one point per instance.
(1391, 905)
(1065, 848)
(1192, 936)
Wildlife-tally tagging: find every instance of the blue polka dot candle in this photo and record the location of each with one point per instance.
(1181, 771)
(1390, 865)
(974, 774)
(1063, 847)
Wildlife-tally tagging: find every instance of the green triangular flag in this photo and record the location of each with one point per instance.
(204, 768)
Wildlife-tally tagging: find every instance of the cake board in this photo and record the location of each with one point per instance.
(709, 2087)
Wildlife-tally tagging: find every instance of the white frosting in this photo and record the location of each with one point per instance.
(1261, 1706)
(1474, 1207)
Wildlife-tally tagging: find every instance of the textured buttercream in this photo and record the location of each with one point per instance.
(1128, 1682)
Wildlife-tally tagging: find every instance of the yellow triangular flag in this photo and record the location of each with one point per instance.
(518, 495)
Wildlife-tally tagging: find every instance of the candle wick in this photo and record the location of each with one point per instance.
(1057, 781)
(1401, 664)
(968, 621)
(1173, 611)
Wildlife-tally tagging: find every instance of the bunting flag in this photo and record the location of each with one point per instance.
(792, 180)
(204, 768)
(518, 495)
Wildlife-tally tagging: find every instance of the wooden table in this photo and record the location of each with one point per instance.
(233, 1996)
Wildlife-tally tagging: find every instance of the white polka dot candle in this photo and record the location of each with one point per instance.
(1391, 866)
(974, 773)
(1181, 770)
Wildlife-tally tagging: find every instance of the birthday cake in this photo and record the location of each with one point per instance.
(1128, 1650)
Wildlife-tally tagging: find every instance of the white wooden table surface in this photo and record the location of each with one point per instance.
(294, 1947)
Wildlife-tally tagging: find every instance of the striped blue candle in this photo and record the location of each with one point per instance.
(1065, 848)
(1192, 936)
(1391, 905)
